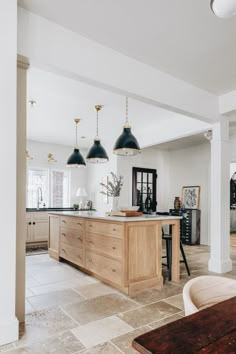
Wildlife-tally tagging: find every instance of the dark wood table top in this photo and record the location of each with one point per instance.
(212, 330)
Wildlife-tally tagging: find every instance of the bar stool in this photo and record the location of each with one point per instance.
(168, 239)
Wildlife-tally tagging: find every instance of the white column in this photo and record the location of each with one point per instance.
(8, 45)
(22, 66)
(220, 261)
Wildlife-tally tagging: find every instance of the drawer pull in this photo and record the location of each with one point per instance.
(79, 238)
(114, 229)
(114, 248)
(63, 234)
(114, 270)
(63, 250)
(90, 225)
(91, 242)
(63, 221)
(79, 223)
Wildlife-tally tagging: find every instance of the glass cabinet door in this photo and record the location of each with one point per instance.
(144, 189)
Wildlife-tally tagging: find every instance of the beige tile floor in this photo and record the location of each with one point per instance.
(70, 312)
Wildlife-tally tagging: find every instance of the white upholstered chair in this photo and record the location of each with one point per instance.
(205, 291)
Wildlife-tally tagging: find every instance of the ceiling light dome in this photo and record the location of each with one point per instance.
(97, 153)
(76, 159)
(224, 8)
(126, 144)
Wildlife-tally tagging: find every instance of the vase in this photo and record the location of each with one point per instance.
(115, 202)
(177, 203)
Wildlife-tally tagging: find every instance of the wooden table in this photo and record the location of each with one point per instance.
(212, 330)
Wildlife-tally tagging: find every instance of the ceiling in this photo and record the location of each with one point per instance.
(180, 37)
(60, 100)
(182, 143)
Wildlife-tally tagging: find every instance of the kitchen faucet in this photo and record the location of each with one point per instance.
(39, 196)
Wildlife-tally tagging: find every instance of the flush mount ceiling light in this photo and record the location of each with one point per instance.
(126, 144)
(97, 153)
(28, 157)
(224, 8)
(51, 158)
(32, 103)
(76, 159)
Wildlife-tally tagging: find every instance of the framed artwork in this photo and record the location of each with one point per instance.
(191, 197)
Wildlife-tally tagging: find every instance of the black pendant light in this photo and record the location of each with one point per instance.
(76, 159)
(126, 144)
(97, 153)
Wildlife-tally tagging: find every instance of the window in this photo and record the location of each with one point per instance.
(60, 189)
(55, 187)
(144, 189)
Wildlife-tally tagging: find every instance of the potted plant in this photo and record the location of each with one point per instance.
(113, 189)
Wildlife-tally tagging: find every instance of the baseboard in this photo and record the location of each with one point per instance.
(9, 331)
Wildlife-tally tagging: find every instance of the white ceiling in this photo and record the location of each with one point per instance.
(183, 143)
(60, 100)
(181, 37)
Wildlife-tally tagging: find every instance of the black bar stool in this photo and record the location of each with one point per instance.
(168, 239)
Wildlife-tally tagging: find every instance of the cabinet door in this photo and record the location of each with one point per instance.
(41, 231)
(54, 236)
(28, 228)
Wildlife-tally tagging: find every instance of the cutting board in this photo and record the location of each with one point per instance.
(126, 213)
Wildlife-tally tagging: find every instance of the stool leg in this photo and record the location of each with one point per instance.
(184, 258)
(167, 254)
(170, 259)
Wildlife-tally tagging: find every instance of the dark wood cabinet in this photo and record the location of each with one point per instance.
(189, 226)
(144, 189)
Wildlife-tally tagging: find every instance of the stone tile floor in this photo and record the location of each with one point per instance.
(70, 312)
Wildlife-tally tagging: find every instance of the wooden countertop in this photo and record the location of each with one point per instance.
(100, 215)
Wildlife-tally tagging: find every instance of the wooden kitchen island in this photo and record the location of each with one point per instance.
(121, 251)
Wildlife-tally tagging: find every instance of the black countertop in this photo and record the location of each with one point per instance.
(53, 209)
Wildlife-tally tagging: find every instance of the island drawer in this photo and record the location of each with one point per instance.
(108, 268)
(105, 228)
(72, 237)
(72, 254)
(110, 246)
(77, 223)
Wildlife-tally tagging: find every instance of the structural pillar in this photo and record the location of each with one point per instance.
(8, 45)
(22, 66)
(220, 261)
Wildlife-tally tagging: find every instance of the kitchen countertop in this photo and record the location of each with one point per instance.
(102, 216)
(49, 209)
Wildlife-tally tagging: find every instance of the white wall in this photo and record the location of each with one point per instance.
(39, 151)
(95, 175)
(149, 158)
(191, 167)
(8, 145)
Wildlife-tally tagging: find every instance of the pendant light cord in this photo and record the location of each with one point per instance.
(126, 114)
(97, 136)
(76, 135)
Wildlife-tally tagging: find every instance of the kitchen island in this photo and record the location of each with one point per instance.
(125, 252)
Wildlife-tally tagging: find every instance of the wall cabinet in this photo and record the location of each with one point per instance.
(37, 227)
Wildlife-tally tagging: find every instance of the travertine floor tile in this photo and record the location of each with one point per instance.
(64, 343)
(28, 307)
(42, 324)
(176, 301)
(98, 308)
(93, 290)
(124, 342)
(105, 348)
(66, 284)
(56, 298)
(147, 314)
(165, 321)
(100, 331)
(5, 348)
(148, 296)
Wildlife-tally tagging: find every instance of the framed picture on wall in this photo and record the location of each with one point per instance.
(191, 197)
